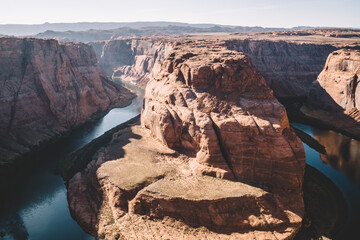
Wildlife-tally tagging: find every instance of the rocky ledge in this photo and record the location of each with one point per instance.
(46, 89)
(225, 165)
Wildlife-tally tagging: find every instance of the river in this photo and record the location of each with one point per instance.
(342, 167)
(36, 207)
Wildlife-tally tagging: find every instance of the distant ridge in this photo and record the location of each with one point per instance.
(33, 29)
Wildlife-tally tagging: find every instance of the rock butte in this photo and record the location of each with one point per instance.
(46, 89)
(226, 164)
(212, 102)
(290, 62)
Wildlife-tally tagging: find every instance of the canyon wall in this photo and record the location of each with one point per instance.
(224, 158)
(334, 98)
(47, 88)
(289, 68)
(336, 88)
(212, 101)
(132, 60)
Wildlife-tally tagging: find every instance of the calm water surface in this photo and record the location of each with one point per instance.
(342, 167)
(36, 208)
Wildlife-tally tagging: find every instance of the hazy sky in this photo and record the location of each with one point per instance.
(266, 13)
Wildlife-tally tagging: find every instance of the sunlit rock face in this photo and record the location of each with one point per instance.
(132, 60)
(47, 88)
(289, 67)
(214, 158)
(336, 88)
(212, 102)
(334, 98)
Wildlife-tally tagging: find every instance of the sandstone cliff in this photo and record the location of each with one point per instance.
(212, 102)
(212, 114)
(289, 68)
(336, 86)
(47, 88)
(132, 60)
(334, 98)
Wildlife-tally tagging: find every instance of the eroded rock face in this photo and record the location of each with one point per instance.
(138, 188)
(334, 99)
(336, 88)
(218, 128)
(289, 68)
(132, 60)
(47, 88)
(212, 102)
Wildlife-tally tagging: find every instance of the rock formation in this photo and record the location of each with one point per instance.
(212, 102)
(334, 98)
(47, 88)
(336, 86)
(289, 61)
(289, 68)
(132, 60)
(226, 164)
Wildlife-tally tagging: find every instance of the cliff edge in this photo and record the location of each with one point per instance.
(225, 163)
(46, 89)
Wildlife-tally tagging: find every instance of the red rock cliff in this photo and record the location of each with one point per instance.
(132, 60)
(289, 68)
(211, 105)
(46, 88)
(212, 102)
(334, 99)
(336, 87)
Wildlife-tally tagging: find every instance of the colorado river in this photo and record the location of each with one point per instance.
(342, 167)
(36, 207)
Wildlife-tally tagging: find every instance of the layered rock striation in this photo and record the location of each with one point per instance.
(226, 163)
(334, 98)
(47, 88)
(212, 102)
(289, 68)
(336, 87)
(133, 60)
(138, 188)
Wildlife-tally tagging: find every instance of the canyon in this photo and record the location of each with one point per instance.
(212, 154)
(289, 61)
(48, 88)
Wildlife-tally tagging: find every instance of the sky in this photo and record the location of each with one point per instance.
(265, 13)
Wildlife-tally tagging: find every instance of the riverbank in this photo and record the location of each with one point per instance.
(14, 167)
(325, 208)
(299, 112)
(36, 192)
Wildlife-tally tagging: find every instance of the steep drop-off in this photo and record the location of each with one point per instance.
(132, 60)
(212, 101)
(288, 68)
(218, 128)
(334, 98)
(47, 88)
